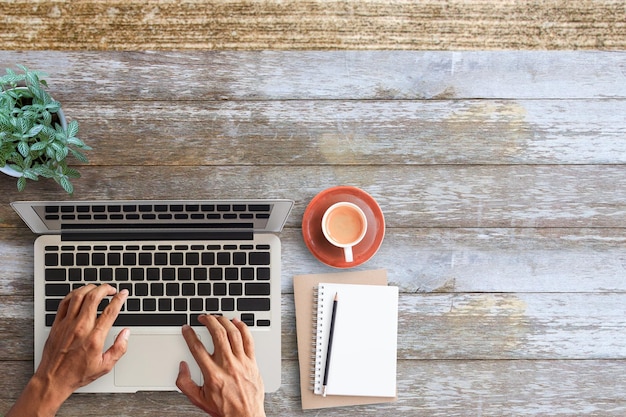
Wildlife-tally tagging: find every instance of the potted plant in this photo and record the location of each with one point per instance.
(35, 137)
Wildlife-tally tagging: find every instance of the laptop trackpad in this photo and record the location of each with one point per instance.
(152, 361)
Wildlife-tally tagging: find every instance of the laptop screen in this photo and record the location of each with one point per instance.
(154, 215)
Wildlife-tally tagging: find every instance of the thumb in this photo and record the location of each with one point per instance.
(117, 350)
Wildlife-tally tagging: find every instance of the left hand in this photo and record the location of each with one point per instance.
(73, 354)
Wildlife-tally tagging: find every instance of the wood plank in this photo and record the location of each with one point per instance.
(483, 196)
(324, 75)
(312, 24)
(425, 388)
(426, 260)
(446, 326)
(338, 132)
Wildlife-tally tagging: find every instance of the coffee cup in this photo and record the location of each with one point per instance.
(344, 225)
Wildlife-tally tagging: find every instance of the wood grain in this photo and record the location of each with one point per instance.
(312, 24)
(501, 176)
(330, 75)
(426, 388)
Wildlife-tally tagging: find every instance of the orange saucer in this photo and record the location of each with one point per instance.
(328, 253)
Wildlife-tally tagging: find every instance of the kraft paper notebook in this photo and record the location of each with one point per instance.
(304, 294)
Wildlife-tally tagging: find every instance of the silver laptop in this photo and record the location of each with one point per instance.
(178, 259)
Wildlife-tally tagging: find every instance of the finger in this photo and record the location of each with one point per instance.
(219, 334)
(246, 337)
(93, 298)
(234, 337)
(110, 313)
(75, 300)
(116, 351)
(190, 389)
(184, 381)
(197, 349)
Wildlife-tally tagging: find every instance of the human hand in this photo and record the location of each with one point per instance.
(232, 383)
(73, 354)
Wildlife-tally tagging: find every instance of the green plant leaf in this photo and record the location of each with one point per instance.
(21, 183)
(23, 148)
(66, 184)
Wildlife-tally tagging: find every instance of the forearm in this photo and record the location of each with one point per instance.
(39, 399)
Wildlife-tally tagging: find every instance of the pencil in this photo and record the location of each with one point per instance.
(330, 345)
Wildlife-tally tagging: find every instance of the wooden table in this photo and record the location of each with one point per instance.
(502, 176)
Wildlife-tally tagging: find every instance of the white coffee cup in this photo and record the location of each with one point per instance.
(344, 225)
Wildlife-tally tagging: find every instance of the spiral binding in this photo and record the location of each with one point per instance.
(317, 362)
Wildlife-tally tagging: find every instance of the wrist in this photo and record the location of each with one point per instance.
(40, 398)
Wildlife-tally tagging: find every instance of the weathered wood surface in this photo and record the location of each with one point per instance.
(501, 176)
(312, 24)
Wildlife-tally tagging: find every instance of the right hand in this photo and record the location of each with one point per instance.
(232, 382)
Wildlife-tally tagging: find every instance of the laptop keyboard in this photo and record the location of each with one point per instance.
(168, 284)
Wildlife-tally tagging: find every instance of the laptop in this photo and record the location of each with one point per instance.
(178, 259)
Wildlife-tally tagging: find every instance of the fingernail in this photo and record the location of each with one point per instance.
(124, 292)
(125, 334)
(186, 326)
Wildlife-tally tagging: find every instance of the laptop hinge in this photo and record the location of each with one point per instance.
(160, 235)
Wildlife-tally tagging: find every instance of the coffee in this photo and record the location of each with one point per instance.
(344, 225)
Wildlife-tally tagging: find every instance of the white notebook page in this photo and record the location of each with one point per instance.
(364, 350)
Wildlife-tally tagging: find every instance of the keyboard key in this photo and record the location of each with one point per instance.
(98, 259)
(133, 304)
(235, 289)
(106, 274)
(114, 259)
(67, 259)
(257, 288)
(248, 318)
(204, 288)
(130, 259)
(82, 259)
(151, 319)
(228, 304)
(52, 304)
(156, 289)
(141, 289)
(200, 274)
(263, 274)
(223, 258)
(212, 304)
(176, 258)
(57, 290)
(137, 274)
(153, 274)
(219, 289)
(184, 274)
(54, 274)
(165, 304)
(259, 258)
(172, 289)
(160, 258)
(215, 274)
(90, 274)
(192, 258)
(121, 274)
(75, 274)
(253, 304)
(196, 304)
(149, 304)
(180, 304)
(189, 288)
(145, 259)
(51, 259)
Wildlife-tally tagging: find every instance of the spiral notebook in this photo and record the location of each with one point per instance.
(364, 343)
(304, 286)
